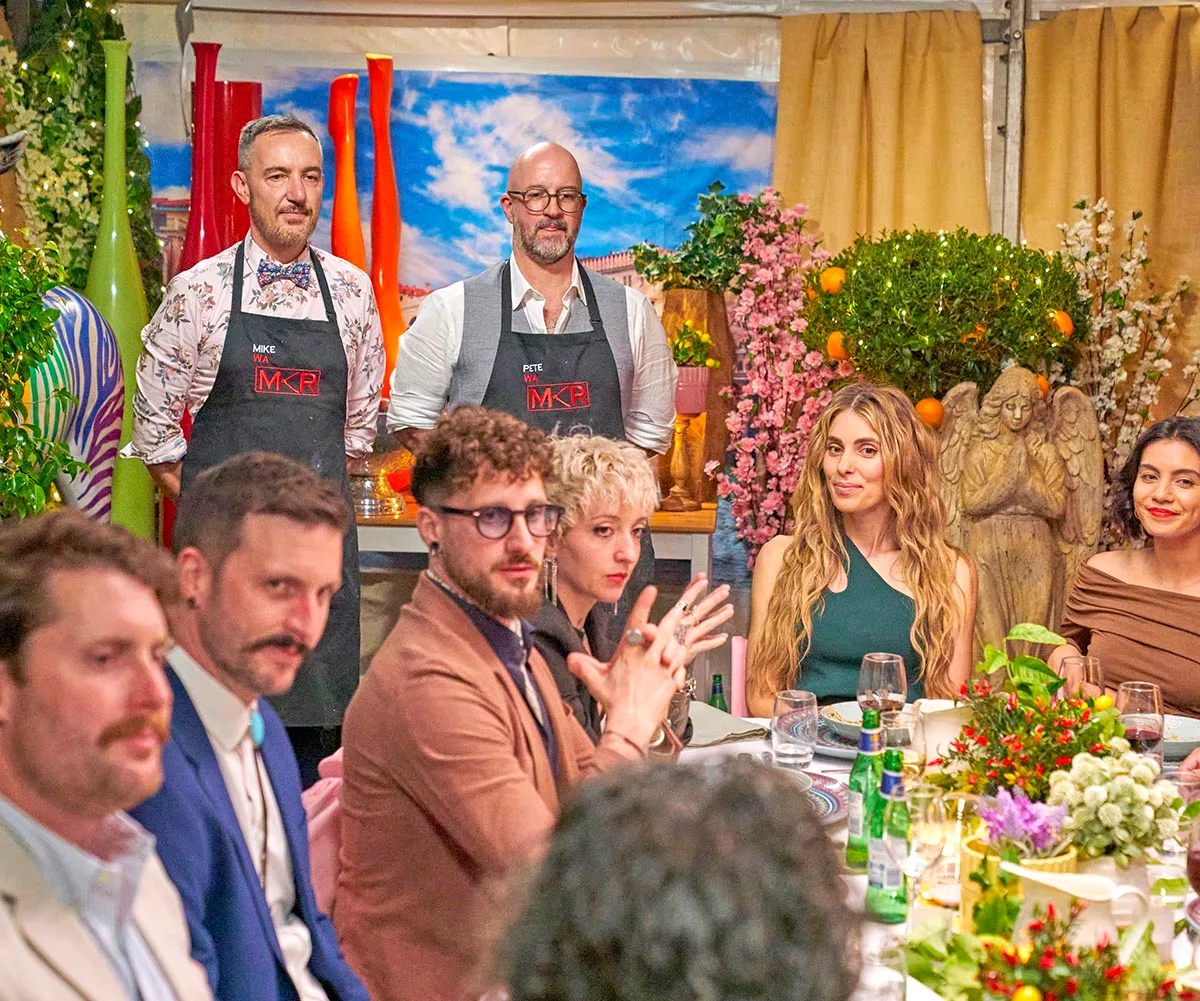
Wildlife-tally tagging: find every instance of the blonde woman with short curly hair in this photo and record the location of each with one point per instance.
(607, 490)
(868, 568)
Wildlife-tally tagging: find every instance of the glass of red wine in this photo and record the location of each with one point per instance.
(882, 683)
(1139, 705)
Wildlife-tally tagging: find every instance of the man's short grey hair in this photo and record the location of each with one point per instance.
(265, 125)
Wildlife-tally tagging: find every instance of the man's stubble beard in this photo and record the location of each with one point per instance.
(527, 241)
(267, 224)
(478, 588)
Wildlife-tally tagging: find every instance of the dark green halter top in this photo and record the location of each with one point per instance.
(869, 616)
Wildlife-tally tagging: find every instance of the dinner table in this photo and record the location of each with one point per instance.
(718, 735)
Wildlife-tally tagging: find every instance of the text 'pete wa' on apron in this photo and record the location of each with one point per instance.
(281, 387)
(561, 383)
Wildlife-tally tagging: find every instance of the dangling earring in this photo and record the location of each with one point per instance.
(550, 579)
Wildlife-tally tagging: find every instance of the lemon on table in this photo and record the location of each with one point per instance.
(1103, 702)
(1027, 992)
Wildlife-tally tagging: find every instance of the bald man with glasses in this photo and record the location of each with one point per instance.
(556, 345)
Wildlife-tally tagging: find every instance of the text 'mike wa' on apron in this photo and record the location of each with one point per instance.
(561, 383)
(281, 387)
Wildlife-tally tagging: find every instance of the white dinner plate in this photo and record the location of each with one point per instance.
(845, 718)
(1181, 736)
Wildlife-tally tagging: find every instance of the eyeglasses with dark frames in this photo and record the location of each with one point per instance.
(496, 521)
(570, 200)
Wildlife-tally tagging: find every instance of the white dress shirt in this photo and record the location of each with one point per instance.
(226, 720)
(429, 351)
(102, 891)
(182, 345)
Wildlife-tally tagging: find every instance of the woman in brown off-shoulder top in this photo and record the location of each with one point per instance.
(1138, 610)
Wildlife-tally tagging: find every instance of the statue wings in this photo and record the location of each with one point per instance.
(957, 435)
(1076, 437)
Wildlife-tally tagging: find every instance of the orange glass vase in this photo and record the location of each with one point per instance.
(385, 215)
(347, 237)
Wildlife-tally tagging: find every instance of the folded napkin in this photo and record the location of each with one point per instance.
(712, 726)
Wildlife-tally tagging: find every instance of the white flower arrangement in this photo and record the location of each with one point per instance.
(1124, 360)
(1115, 805)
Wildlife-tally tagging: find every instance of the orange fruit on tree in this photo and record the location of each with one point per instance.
(835, 346)
(1043, 386)
(931, 411)
(1062, 320)
(832, 280)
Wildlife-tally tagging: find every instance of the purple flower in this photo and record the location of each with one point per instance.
(1032, 828)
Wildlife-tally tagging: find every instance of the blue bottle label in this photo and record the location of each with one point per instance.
(892, 784)
(870, 741)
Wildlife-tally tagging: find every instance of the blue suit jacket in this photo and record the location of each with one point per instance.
(205, 854)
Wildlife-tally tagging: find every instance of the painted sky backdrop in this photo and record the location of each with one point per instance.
(647, 148)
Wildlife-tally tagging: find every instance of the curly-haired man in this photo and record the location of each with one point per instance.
(457, 742)
(685, 882)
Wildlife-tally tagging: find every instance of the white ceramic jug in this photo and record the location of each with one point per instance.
(943, 721)
(1096, 922)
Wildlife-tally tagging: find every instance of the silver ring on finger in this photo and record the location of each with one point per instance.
(635, 637)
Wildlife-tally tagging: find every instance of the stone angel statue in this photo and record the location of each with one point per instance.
(1023, 481)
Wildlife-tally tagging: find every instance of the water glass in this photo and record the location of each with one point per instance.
(1083, 675)
(945, 877)
(794, 729)
(906, 731)
(884, 974)
(882, 682)
(1139, 706)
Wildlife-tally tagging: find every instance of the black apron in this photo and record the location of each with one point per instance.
(281, 387)
(561, 383)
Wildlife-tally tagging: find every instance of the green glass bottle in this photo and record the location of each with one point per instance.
(864, 779)
(887, 899)
(717, 698)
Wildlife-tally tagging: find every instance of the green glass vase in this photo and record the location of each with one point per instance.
(114, 286)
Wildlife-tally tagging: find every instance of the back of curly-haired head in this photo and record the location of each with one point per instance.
(33, 549)
(811, 563)
(214, 508)
(686, 883)
(470, 440)
(1184, 429)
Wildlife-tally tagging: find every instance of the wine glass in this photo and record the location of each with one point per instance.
(1139, 707)
(926, 839)
(1083, 675)
(906, 731)
(794, 729)
(882, 682)
(962, 821)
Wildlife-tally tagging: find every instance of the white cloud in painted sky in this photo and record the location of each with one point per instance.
(741, 149)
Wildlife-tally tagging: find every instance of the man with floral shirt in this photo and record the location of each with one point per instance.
(271, 345)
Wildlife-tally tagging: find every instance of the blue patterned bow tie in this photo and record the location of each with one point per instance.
(298, 272)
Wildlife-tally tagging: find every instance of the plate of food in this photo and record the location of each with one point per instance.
(845, 718)
(1181, 736)
(830, 798)
(832, 744)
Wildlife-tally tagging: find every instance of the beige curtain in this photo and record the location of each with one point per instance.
(881, 122)
(1112, 109)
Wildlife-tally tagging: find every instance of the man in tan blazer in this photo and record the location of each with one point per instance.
(457, 743)
(86, 910)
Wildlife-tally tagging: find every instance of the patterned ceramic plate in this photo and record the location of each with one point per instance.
(845, 718)
(1181, 736)
(831, 744)
(830, 798)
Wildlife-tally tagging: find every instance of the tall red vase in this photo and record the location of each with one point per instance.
(385, 215)
(236, 102)
(347, 236)
(202, 238)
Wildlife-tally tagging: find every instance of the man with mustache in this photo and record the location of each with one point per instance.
(606, 370)
(458, 744)
(258, 542)
(271, 345)
(86, 910)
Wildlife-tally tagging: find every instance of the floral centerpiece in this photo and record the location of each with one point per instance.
(1022, 732)
(1116, 805)
(1018, 828)
(1048, 967)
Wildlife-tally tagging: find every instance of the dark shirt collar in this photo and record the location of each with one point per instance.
(511, 648)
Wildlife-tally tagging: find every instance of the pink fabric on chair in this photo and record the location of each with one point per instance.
(737, 675)
(322, 804)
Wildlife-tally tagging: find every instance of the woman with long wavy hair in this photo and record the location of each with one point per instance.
(868, 568)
